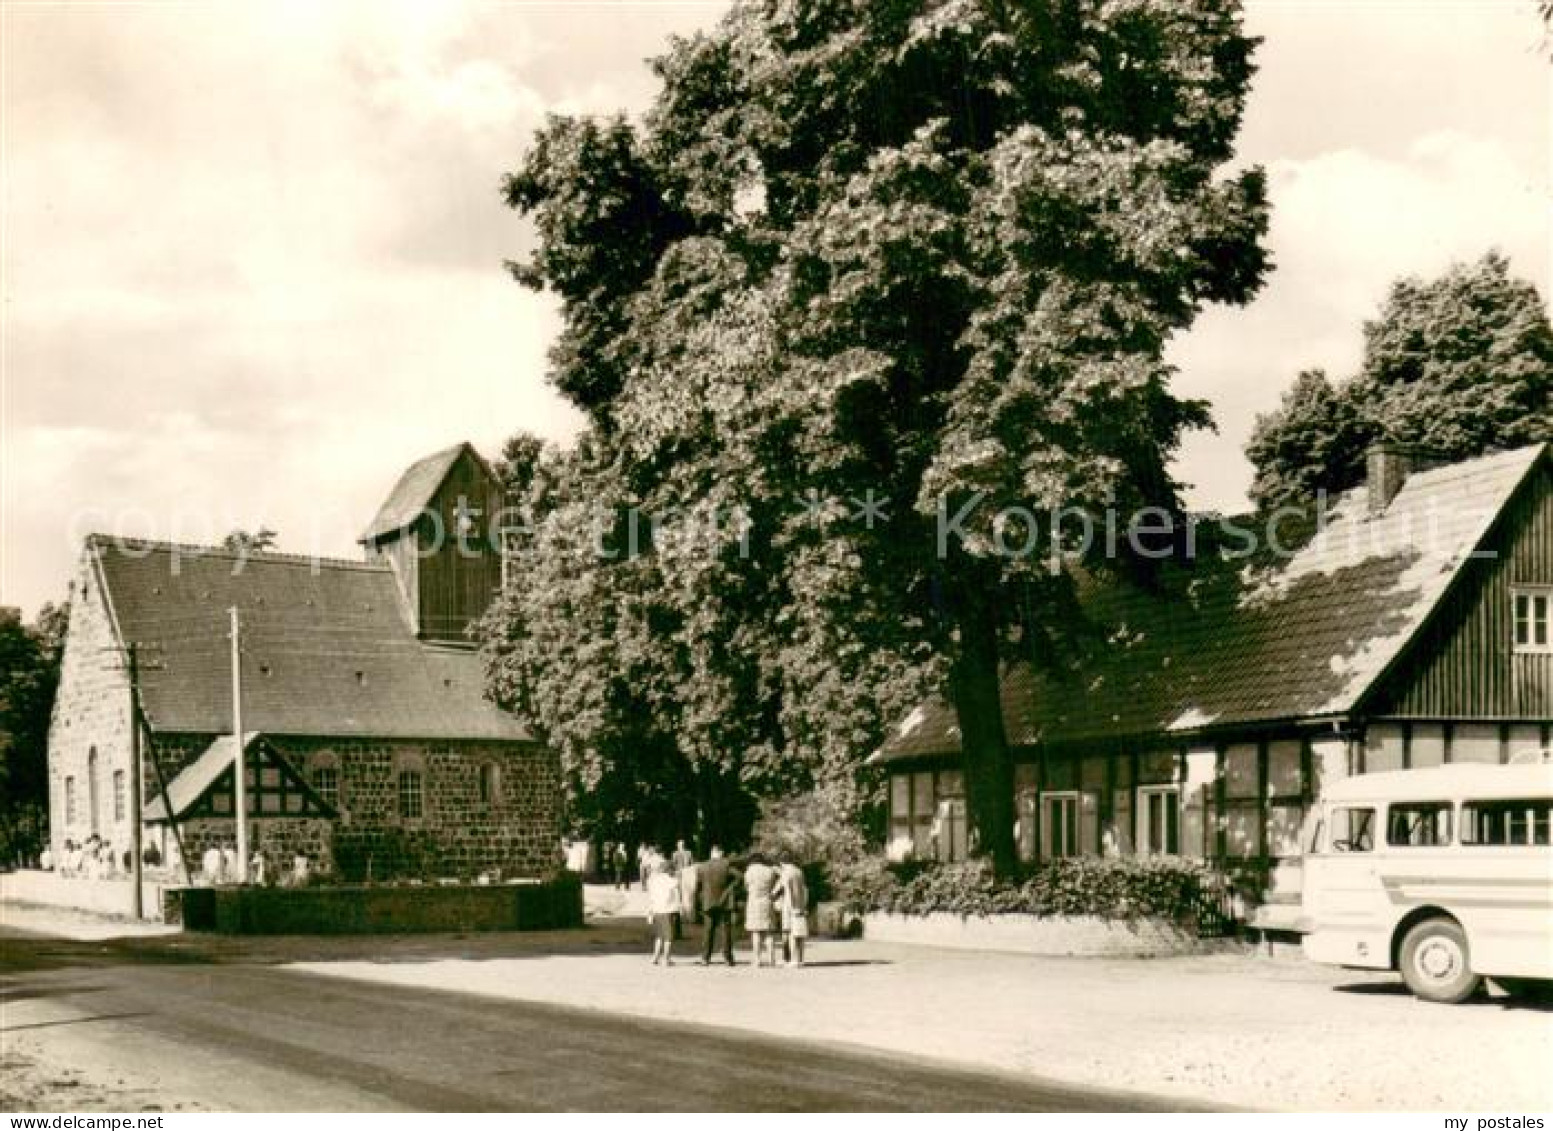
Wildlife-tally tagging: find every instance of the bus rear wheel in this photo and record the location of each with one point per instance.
(1436, 964)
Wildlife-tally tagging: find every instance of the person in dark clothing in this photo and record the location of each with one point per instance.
(717, 895)
(622, 862)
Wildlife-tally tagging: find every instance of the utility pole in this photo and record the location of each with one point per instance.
(240, 768)
(167, 803)
(129, 663)
(136, 791)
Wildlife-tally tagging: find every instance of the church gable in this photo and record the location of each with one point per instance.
(205, 787)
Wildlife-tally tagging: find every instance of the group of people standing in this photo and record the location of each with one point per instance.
(218, 867)
(774, 898)
(96, 859)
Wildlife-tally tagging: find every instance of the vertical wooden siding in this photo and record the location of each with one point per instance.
(1463, 665)
(456, 588)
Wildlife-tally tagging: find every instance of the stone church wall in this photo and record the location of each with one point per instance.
(485, 807)
(89, 735)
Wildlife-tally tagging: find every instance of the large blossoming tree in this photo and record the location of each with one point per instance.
(873, 288)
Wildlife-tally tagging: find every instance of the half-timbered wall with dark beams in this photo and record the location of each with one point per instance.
(273, 790)
(1239, 797)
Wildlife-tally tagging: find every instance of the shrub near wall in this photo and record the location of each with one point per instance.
(1129, 905)
(1116, 889)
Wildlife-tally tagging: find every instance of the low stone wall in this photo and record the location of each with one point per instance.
(1057, 935)
(110, 896)
(383, 910)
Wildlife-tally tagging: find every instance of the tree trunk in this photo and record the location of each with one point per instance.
(974, 687)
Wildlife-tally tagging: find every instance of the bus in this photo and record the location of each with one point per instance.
(1443, 874)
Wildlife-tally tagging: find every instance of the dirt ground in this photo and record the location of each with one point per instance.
(38, 1076)
(1240, 1029)
(44, 1071)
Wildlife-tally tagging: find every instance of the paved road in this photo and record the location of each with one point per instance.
(262, 1036)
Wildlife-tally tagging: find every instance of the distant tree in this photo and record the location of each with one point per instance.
(519, 462)
(29, 678)
(1316, 438)
(246, 542)
(49, 630)
(1462, 363)
(1457, 365)
(575, 646)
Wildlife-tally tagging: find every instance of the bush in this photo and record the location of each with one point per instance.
(809, 830)
(386, 855)
(860, 882)
(1121, 888)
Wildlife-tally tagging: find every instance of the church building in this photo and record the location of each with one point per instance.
(369, 743)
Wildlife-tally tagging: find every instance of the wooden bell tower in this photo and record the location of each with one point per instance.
(438, 530)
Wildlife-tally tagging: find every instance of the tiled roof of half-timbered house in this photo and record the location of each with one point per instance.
(1232, 644)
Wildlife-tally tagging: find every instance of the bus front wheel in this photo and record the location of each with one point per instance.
(1436, 964)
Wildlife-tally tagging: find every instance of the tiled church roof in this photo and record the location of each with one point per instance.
(326, 650)
(1233, 644)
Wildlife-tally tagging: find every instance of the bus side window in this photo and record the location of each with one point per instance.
(1419, 824)
(1506, 822)
(1353, 829)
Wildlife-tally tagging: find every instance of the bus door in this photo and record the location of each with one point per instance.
(1342, 884)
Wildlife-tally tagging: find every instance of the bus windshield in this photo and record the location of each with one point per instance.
(1352, 828)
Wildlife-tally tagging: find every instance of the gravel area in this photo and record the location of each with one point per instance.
(68, 923)
(58, 1075)
(1236, 1029)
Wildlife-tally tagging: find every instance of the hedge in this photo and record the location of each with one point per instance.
(1120, 888)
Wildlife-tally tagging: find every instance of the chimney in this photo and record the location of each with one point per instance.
(1387, 466)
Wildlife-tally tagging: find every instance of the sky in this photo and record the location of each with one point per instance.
(251, 252)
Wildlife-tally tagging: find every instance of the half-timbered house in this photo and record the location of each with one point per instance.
(1414, 629)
